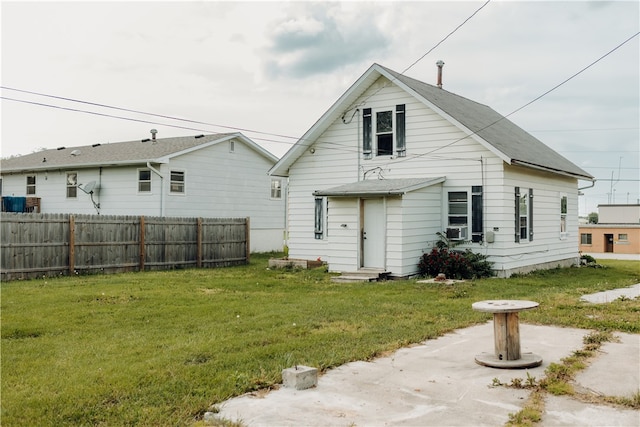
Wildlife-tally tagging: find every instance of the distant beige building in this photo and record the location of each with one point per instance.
(617, 231)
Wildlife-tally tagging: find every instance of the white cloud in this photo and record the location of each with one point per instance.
(277, 66)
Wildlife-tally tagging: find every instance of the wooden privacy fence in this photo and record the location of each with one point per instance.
(37, 245)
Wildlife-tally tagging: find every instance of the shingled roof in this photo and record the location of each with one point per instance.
(494, 131)
(120, 153)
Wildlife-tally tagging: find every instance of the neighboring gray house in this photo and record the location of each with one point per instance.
(395, 161)
(220, 175)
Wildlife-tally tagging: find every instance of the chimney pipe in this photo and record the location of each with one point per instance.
(153, 134)
(440, 64)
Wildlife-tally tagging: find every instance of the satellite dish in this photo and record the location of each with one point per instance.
(89, 186)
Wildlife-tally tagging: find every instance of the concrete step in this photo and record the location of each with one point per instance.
(362, 275)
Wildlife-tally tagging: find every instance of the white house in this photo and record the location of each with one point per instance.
(395, 161)
(220, 175)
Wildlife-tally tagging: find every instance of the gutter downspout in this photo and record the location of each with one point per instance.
(157, 172)
(593, 183)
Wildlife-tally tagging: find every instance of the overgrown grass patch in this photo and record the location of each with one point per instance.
(159, 348)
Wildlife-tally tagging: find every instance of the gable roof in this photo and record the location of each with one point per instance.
(380, 187)
(136, 152)
(495, 132)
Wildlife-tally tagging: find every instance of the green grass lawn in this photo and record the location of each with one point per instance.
(158, 348)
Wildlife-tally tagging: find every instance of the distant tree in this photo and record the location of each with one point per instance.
(593, 218)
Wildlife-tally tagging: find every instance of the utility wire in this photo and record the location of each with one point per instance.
(363, 101)
(527, 104)
(346, 148)
(142, 112)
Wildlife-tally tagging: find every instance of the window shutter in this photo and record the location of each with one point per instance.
(366, 132)
(401, 147)
(476, 213)
(319, 220)
(530, 214)
(517, 221)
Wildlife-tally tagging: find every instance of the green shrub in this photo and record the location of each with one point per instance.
(454, 264)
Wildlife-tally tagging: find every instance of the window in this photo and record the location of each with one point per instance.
(319, 218)
(623, 237)
(232, 146)
(31, 184)
(383, 132)
(585, 238)
(276, 189)
(524, 214)
(177, 182)
(457, 208)
(144, 181)
(563, 217)
(460, 209)
(72, 185)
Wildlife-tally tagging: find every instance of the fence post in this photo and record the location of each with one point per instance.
(199, 243)
(72, 244)
(247, 234)
(142, 252)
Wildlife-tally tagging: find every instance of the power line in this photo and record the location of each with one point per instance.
(142, 112)
(421, 58)
(528, 103)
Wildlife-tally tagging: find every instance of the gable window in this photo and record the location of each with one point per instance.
(144, 181)
(232, 146)
(31, 184)
(383, 132)
(585, 238)
(523, 214)
(563, 217)
(463, 211)
(318, 226)
(177, 182)
(276, 189)
(72, 185)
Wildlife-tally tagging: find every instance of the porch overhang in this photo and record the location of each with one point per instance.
(379, 187)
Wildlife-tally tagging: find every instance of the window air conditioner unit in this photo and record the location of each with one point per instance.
(457, 233)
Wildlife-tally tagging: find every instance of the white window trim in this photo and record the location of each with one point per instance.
(445, 202)
(564, 217)
(184, 183)
(66, 186)
(145, 193)
(273, 180)
(374, 130)
(34, 185)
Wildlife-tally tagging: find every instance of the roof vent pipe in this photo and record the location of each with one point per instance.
(440, 64)
(153, 134)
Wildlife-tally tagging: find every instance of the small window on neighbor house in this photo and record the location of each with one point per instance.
(144, 181)
(232, 146)
(585, 238)
(72, 185)
(177, 182)
(623, 237)
(31, 184)
(276, 189)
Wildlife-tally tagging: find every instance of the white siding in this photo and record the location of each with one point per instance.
(548, 244)
(434, 147)
(218, 183)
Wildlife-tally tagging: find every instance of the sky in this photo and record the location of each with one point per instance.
(271, 69)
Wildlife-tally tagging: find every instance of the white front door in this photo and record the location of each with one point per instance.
(373, 226)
